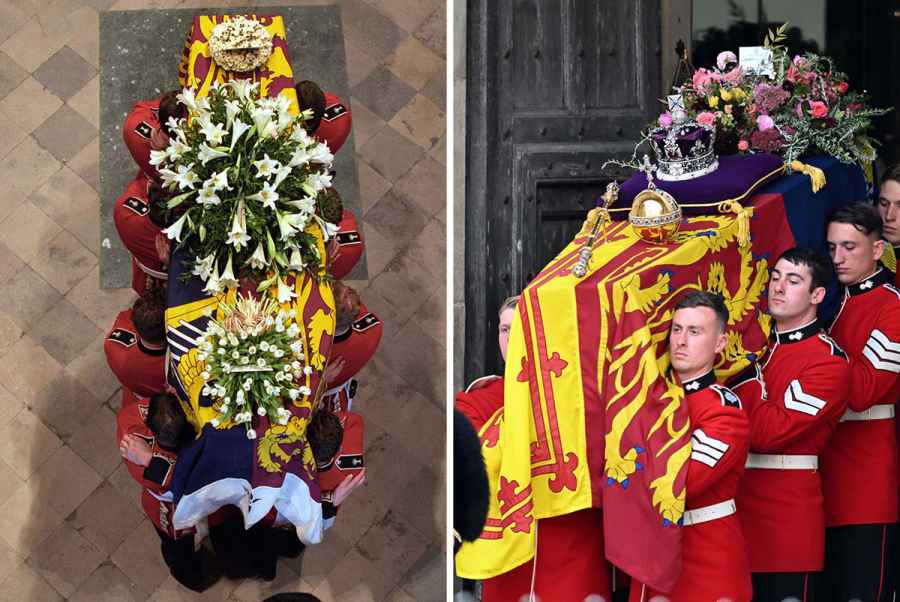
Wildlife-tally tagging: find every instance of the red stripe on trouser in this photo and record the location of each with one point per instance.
(881, 571)
(805, 585)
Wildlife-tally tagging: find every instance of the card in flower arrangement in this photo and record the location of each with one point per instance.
(756, 60)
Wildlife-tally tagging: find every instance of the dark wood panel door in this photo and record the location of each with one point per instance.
(554, 88)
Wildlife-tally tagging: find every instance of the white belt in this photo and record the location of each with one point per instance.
(879, 412)
(165, 496)
(708, 513)
(336, 391)
(150, 271)
(776, 462)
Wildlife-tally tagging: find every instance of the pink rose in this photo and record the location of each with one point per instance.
(743, 145)
(665, 119)
(724, 59)
(764, 122)
(706, 118)
(702, 78)
(818, 109)
(734, 77)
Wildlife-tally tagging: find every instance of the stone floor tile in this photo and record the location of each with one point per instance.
(87, 101)
(371, 186)
(11, 19)
(69, 478)
(87, 163)
(425, 186)
(369, 583)
(365, 123)
(28, 297)
(396, 217)
(414, 357)
(426, 508)
(370, 30)
(92, 370)
(73, 204)
(27, 229)
(64, 261)
(54, 17)
(10, 406)
(429, 250)
(29, 104)
(65, 560)
(439, 151)
(436, 89)
(139, 558)
(10, 332)
(29, 7)
(27, 368)
(408, 15)
(426, 580)
(24, 169)
(9, 561)
(360, 63)
(414, 63)
(65, 332)
(25, 584)
(101, 306)
(86, 41)
(27, 443)
(405, 285)
(106, 517)
(172, 591)
(390, 153)
(65, 73)
(421, 121)
(65, 133)
(392, 544)
(11, 481)
(11, 74)
(432, 315)
(383, 92)
(64, 405)
(122, 480)
(400, 595)
(316, 561)
(30, 46)
(95, 442)
(380, 251)
(11, 134)
(286, 580)
(108, 584)
(433, 32)
(26, 521)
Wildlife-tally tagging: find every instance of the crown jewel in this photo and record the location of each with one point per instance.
(684, 150)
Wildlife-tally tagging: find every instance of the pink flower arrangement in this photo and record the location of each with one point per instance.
(724, 59)
(665, 119)
(743, 146)
(818, 109)
(706, 118)
(764, 122)
(703, 78)
(768, 97)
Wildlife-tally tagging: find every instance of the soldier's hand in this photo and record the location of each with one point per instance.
(334, 367)
(162, 247)
(334, 249)
(135, 450)
(343, 491)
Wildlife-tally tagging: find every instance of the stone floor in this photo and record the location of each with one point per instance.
(70, 523)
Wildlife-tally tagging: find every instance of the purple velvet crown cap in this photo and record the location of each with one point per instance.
(686, 139)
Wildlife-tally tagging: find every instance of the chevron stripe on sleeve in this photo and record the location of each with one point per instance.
(795, 398)
(707, 449)
(882, 353)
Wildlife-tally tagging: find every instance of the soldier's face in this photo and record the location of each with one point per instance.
(506, 319)
(853, 253)
(159, 140)
(790, 297)
(889, 208)
(694, 341)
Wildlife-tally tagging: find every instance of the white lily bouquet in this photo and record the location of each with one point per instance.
(253, 183)
(253, 357)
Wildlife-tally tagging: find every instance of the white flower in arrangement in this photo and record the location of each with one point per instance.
(237, 130)
(232, 109)
(278, 328)
(168, 178)
(251, 434)
(189, 99)
(235, 355)
(177, 147)
(306, 205)
(316, 182)
(281, 173)
(203, 267)
(213, 285)
(239, 397)
(252, 350)
(293, 394)
(226, 366)
(207, 196)
(287, 369)
(208, 153)
(262, 117)
(232, 339)
(257, 261)
(227, 280)
(296, 261)
(261, 363)
(290, 224)
(296, 365)
(157, 157)
(204, 375)
(260, 411)
(321, 154)
(279, 376)
(243, 88)
(206, 391)
(221, 351)
(264, 346)
(297, 347)
(285, 292)
(186, 177)
(270, 131)
(304, 390)
(267, 196)
(307, 370)
(219, 180)
(299, 134)
(213, 132)
(265, 167)
(238, 235)
(174, 231)
(270, 322)
(328, 229)
(293, 331)
(248, 384)
(245, 360)
(300, 156)
(278, 353)
(214, 422)
(243, 336)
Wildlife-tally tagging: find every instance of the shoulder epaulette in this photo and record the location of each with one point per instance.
(366, 322)
(481, 381)
(350, 461)
(728, 397)
(123, 337)
(144, 130)
(137, 205)
(159, 468)
(351, 237)
(333, 112)
(835, 348)
(892, 288)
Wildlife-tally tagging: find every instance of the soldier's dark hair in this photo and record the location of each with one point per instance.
(346, 304)
(310, 96)
(157, 196)
(713, 301)
(324, 434)
(508, 303)
(331, 207)
(169, 106)
(292, 597)
(167, 421)
(819, 266)
(864, 218)
(149, 316)
(892, 174)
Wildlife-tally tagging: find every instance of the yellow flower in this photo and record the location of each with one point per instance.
(726, 95)
(713, 101)
(739, 94)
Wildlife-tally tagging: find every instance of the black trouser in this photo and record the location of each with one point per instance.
(253, 552)
(192, 568)
(777, 587)
(859, 563)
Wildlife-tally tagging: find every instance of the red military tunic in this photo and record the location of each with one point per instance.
(793, 409)
(350, 246)
(571, 563)
(131, 214)
(336, 123)
(859, 466)
(714, 562)
(356, 347)
(136, 132)
(138, 368)
(349, 458)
